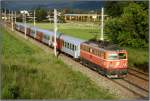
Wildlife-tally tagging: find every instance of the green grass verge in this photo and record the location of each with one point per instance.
(138, 57)
(30, 73)
(82, 30)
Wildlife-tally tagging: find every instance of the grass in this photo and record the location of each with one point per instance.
(80, 30)
(138, 57)
(30, 73)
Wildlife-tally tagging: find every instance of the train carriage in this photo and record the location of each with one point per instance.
(33, 32)
(17, 26)
(71, 46)
(39, 36)
(21, 27)
(47, 35)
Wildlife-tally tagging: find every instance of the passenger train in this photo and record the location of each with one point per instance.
(98, 55)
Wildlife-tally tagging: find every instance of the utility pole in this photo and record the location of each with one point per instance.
(12, 19)
(9, 16)
(34, 24)
(102, 26)
(15, 16)
(24, 21)
(25, 25)
(55, 30)
(5, 17)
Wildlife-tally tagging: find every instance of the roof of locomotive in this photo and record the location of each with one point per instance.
(103, 45)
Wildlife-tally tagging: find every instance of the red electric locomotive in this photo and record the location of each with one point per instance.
(105, 58)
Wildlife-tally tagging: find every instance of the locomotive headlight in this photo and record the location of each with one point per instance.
(117, 63)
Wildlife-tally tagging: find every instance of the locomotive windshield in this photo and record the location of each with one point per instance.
(113, 56)
(117, 56)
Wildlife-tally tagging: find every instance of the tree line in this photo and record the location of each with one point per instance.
(128, 23)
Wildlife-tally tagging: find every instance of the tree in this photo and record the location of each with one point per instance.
(41, 14)
(115, 8)
(131, 28)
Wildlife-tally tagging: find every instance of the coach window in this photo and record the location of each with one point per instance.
(73, 47)
(68, 45)
(65, 44)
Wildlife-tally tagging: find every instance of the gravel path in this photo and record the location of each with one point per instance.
(98, 79)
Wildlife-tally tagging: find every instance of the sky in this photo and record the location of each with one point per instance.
(51, 4)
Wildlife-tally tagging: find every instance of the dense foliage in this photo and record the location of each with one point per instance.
(130, 26)
(41, 14)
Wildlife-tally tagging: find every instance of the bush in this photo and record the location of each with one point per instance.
(131, 28)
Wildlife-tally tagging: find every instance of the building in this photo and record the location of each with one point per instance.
(83, 17)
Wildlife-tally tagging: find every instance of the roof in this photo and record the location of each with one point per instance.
(103, 45)
(83, 15)
(75, 41)
(72, 40)
(19, 23)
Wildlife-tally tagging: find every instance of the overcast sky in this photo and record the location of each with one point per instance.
(58, 4)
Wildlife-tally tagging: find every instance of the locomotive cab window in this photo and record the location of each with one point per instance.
(113, 56)
(122, 56)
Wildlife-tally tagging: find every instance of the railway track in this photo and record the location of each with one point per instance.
(139, 74)
(132, 88)
(136, 82)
